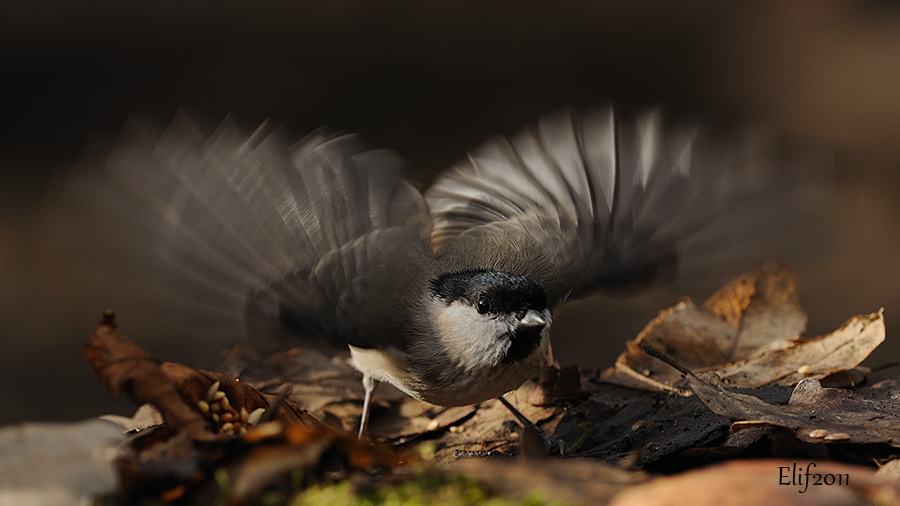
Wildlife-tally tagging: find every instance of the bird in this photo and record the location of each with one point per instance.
(446, 293)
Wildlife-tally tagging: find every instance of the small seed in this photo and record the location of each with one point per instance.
(637, 425)
(837, 436)
(268, 429)
(215, 417)
(456, 429)
(218, 395)
(211, 391)
(204, 406)
(226, 417)
(243, 431)
(227, 427)
(226, 404)
(433, 425)
(244, 414)
(253, 418)
(818, 433)
(805, 370)
(215, 407)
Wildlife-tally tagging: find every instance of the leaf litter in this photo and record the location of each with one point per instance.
(738, 380)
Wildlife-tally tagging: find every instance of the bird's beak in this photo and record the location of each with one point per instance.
(534, 319)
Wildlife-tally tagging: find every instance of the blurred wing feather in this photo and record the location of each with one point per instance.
(261, 232)
(585, 203)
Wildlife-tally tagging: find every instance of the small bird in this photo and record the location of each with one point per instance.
(447, 294)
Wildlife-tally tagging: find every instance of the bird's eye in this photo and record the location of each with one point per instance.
(484, 305)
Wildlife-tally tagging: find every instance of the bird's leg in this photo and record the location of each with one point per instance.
(369, 386)
(545, 439)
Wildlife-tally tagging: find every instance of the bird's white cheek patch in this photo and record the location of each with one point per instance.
(470, 339)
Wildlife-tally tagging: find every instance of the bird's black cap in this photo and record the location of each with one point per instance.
(499, 292)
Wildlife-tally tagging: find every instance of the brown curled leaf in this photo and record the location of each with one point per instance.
(123, 365)
(176, 390)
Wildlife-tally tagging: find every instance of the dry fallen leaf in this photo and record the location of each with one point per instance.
(122, 364)
(750, 311)
(748, 333)
(788, 362)
(692, 336)
(763, 305)
(184, 396)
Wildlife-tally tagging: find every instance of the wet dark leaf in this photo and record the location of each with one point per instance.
(815, 414)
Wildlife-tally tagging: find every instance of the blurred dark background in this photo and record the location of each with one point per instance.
(432, 80)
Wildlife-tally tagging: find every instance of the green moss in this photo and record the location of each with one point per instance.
(422, 491)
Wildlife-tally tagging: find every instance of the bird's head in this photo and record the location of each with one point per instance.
(488, 318)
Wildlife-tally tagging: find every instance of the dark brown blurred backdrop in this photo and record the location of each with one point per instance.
(431, 80)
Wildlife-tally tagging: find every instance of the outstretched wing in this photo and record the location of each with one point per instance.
(585, 203)
(261, 233)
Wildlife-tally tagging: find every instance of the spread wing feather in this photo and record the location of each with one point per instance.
(585, 203)
(258, 233)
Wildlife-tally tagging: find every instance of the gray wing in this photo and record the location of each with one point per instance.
(260, 233)
(581, 204)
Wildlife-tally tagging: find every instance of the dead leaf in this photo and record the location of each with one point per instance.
(413, 418)
(640, 429)
(788, 362)
(750, 311)
(890, 470)
(763, 305)
(748, 333)
(184, 396)
(691, 335)
(815, 414)
(122, 364)
(195, 385)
